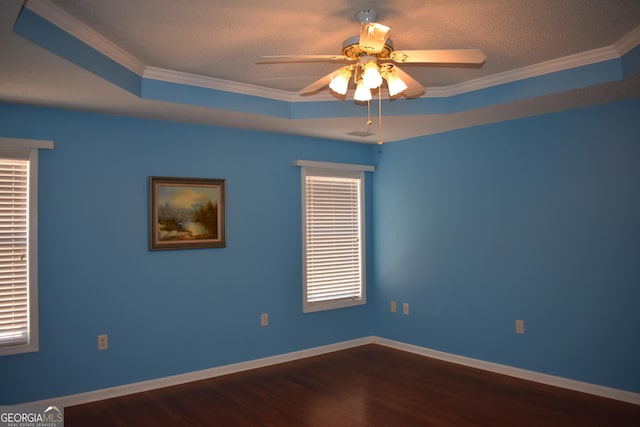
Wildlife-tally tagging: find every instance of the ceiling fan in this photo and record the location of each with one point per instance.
(372, 59)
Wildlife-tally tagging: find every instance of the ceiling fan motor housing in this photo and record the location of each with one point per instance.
(352, 50)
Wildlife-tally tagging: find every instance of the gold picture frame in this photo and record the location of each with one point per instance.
(187, 213)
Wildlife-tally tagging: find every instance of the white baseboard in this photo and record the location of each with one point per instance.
(92, 396)
(108, 393)
(611, 393)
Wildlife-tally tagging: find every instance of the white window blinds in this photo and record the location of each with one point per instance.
(333, 238)
(19, 244)
(14, 267)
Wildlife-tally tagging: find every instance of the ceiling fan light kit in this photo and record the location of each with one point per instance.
(372, 58)
(340, 83)
(363, 93)
(371, 75)
(394, 82)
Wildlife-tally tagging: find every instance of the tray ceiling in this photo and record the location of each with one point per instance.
(542, 56)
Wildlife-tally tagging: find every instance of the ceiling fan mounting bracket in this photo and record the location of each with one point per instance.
(367, 15)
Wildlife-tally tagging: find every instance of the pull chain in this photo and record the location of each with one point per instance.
(380, 139)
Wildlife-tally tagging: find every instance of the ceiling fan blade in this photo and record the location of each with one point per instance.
(414, 88)
(373, 36)
(440, 56)
(301, 58)
(320, 83)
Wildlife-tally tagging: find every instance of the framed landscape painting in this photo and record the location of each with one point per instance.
(186, 213)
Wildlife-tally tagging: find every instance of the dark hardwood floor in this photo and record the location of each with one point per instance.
(366, 386)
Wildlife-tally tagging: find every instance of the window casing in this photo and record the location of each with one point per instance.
(18, 245)
(333, 238)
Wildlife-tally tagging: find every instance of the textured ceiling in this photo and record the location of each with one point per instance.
(223, 39)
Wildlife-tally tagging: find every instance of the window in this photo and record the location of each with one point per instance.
(18, 247)
(333, 238)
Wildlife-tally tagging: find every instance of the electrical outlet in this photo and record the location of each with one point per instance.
(405, 308)
(519, 326)
(264, 319)
(103, 342)
(394, 306)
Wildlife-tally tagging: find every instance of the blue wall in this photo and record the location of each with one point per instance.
(166, 312)
(535, 219)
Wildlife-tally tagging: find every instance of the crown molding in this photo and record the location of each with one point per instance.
(71, 25)
(553, 66)
(628, 42)
(207, 82)
(80, 31)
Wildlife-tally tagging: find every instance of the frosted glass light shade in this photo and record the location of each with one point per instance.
(340, 83)
(395, 83)
(371, 76)
(363, 93)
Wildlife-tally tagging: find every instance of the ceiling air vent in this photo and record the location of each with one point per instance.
(361, 133)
